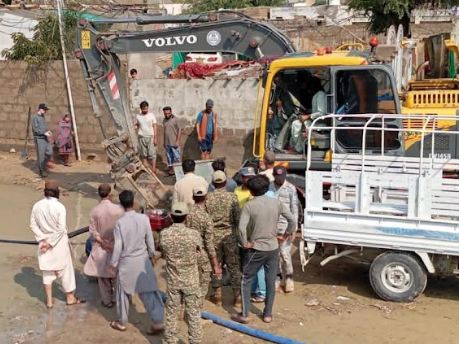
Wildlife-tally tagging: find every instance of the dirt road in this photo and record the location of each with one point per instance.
(334, 304)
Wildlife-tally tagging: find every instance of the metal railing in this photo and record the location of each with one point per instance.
(369, 119)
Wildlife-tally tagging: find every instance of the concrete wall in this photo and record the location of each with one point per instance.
(235, 102)
(22, 86)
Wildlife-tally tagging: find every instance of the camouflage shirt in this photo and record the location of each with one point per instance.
(200, 220)
(181, 246)
(223, 208)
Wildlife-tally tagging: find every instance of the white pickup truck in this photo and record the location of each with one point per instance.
(400, 213)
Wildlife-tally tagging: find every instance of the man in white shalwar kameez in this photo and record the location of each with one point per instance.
(48, 223)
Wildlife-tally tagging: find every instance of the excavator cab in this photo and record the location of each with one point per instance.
(301, 95)
(297, 97)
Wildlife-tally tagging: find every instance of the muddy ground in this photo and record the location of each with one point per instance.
(333, 304)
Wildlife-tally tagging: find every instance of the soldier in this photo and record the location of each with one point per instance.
(223, 208)
(181, 247)
(201, 221)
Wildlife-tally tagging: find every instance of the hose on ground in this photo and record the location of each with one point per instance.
(33, 242)
(248, 330)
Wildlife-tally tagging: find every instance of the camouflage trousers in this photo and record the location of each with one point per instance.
(205, 273)
(227, 250)
(191, 299)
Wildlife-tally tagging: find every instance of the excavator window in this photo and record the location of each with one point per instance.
(364, 91)
(298, 96)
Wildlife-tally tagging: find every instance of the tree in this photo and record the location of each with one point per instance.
(199, 6)
(384, 13)
(45, 45)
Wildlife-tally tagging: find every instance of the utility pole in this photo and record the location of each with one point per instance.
(60, 5)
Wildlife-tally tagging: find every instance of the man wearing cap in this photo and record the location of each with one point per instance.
(200, 220)
(242, 192)
(219, 165)
(183, 188)
(48, 223)
(206, 128)
(286, 194)
(40, 135)
(223, 208)
(258, 236)
(268, 164)
(181, 248)
(132, 251)
(102, 220)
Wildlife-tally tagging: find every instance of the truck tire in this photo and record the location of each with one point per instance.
(397, 276)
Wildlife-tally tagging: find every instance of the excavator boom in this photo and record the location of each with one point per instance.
(223, 31)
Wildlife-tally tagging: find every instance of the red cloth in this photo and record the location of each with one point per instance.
(197, 70)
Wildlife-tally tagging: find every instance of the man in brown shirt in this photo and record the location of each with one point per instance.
(172, 134)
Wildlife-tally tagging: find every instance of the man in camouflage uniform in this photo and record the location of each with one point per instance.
(201, 221)
(223, 207)
(181, 247)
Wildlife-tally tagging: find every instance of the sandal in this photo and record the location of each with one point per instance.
(257, 299)
(76, 302)
(49, 306)
(155, 329)
(240, 319)
(116, 325)
(267, 319)
(107, 305)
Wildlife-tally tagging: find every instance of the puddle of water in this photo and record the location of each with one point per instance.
(17, 202)
(20, 279)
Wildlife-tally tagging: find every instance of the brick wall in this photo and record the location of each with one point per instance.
(22, 86)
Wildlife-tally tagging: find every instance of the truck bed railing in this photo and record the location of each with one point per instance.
(382, 201)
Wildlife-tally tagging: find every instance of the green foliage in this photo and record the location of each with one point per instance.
(384, 13)
(45, 45)
(198, 6)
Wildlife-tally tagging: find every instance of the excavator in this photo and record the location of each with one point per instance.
(98, 51)
(297, 87)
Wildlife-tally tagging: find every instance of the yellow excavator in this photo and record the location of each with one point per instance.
(294, 90)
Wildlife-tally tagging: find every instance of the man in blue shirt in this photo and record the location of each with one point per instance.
(206, 128)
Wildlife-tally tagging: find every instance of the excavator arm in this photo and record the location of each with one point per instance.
(97, 51)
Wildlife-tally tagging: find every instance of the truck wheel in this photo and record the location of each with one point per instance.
(397, 276)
